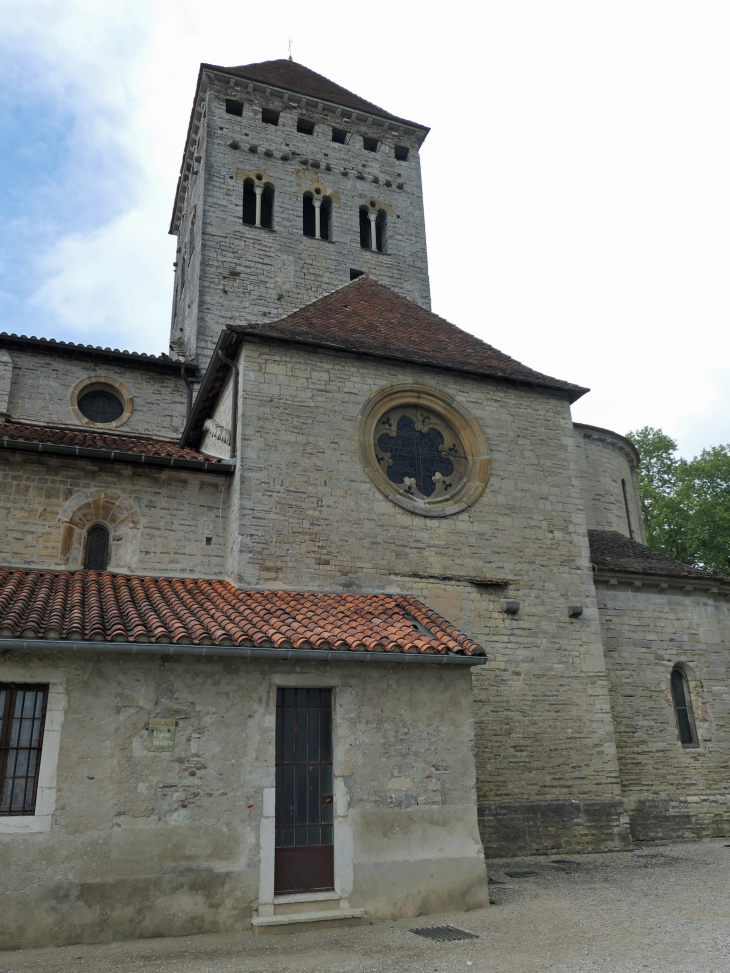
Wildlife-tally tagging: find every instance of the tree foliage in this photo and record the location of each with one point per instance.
(685, 503)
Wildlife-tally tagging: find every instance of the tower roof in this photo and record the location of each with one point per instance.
(299, 79)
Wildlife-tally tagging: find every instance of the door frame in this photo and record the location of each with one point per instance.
(343, 838)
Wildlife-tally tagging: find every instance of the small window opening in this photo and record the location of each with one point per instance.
(100, 406)
(381, 226)
(365, 236)
(22, 721)
(325, 218)
(626, 508)
(401, 153)
(249, 203)
(339, 135)
(683, 708)
(308, 216)
(97, 548)
(267, 207)
(269, 116)
(354, 274)
(370, 144)
(234, 107)
(208, 541)
(305, 126)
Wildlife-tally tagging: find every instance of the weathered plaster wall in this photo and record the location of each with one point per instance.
(310, 518)
(152, 844)
(42, 381)
(158, 520)
(604, 461)
(253, 274)
(648, 627)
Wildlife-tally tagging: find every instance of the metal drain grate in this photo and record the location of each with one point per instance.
(522, 874)
(445, 934)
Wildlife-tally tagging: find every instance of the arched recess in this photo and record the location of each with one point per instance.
(106, 507)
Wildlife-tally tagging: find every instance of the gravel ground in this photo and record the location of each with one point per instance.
(661, 908)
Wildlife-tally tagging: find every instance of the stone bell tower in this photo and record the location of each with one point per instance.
(290, 187)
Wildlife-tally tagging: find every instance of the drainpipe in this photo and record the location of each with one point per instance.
(189, 384)
(234, 404)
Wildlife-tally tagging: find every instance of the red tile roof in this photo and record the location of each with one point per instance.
(297, 78)
(366, 316)
(93, 606)
(95, 351)
(612, 551)
(88, 439)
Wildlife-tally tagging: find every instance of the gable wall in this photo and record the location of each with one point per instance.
(310, 518)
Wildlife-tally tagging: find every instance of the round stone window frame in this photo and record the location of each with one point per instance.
(102, 383)
(465, 425)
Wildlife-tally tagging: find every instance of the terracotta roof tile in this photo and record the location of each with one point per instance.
(94, 351)
(612, 551)
(297, 78)
(89, 439)
(368, 317)
(94, 606)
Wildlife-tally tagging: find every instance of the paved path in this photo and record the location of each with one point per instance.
(663, 909)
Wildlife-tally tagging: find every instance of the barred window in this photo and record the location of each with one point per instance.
(97, 548)
(22, 719)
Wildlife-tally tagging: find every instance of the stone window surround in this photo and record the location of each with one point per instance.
(90, 384)
(343, 838)
(45, 804)
(464, 424)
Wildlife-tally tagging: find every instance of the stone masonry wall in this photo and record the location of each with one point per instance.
(160, 521)
(42, 381)
(605, 461)
(310, 518)
(670, 792)
(159, 844)
(253, 274)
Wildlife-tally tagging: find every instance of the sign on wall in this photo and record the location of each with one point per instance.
(161, 735)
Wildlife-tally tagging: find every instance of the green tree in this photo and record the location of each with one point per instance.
(685, 503)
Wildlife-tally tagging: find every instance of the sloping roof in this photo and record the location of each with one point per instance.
(94, 606)
(612, 551)
(93, 440)
(94, 351)
(295, 77)
(368, 317)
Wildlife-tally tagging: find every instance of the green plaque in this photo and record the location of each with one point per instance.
(161, 736)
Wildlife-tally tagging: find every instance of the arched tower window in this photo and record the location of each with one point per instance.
(97, 548)
(373, 226)
(258, 202)
(316, 215)
(683, 708)
(308, 215)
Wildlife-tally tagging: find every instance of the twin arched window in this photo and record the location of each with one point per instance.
(258, 203)
(317, 215)
(682, 700)
(373, 227)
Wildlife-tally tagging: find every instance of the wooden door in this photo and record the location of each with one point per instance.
(304, 856)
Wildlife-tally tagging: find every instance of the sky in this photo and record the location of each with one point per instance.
(576, 177)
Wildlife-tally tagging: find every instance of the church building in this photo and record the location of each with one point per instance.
(306, 619)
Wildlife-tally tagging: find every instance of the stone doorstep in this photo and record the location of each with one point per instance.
(305, 902)
(301, 921)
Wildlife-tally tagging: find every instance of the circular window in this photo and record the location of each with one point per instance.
(101, 401)
(422, 449)
(100, 406)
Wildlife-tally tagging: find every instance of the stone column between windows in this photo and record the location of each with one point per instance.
(373, 236)
(317, 217)
(259, 190)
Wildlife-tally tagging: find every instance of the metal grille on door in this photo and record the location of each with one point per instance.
(304, 858)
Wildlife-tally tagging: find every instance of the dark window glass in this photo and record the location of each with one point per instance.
(308, 216)
(304, 798)
(269, 116)
(401, 153)
(305, 126)
(416, 454)
(267, 207)
(234, 107)
(100, 406)
(365, 239)
(370, 144)
(22, 718)
(249, 203)
(683, 709)
(97, 548)
(339, 135)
